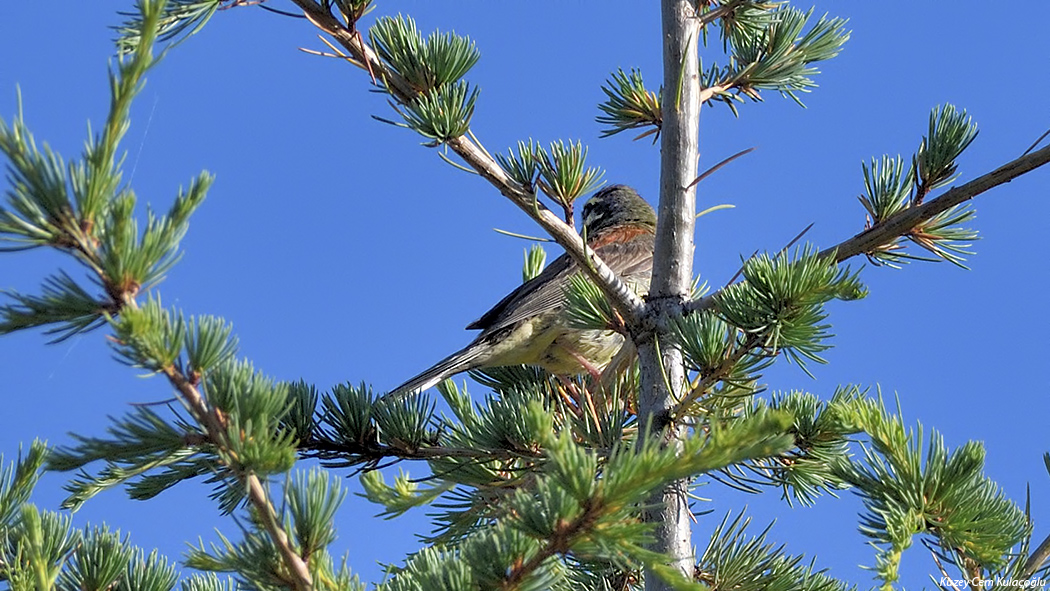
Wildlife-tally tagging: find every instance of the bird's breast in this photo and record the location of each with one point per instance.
(546, 342)
(621, 234)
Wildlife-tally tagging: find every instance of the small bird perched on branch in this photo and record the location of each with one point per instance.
(529, 326)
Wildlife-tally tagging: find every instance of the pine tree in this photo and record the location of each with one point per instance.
(546, 482)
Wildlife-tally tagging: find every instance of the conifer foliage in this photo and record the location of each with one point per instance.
(539, 482)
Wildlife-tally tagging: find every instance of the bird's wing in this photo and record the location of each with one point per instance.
(541, 293)
(546, 291)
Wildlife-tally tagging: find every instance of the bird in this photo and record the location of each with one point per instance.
(529, 326)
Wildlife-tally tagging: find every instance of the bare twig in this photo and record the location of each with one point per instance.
(280, 12)
(797, 237)
(740, 271)
(1036, 142)
(712, 91)
(937, 560)
(1036, 560)
(715, 168)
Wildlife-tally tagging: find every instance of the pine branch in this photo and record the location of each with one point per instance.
(479, 159)
(214, 423)
(560, 542)
(98, 228)
(372, 454)
(719, 373)
(900, 224)
(1037, 559)
(904, 222)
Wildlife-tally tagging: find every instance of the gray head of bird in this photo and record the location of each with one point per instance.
(617, 206)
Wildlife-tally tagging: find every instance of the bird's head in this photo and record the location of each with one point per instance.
(617, 206)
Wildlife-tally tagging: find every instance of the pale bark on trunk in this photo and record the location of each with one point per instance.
(660, 358)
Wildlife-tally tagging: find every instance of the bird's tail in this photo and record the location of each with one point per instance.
(458, 362)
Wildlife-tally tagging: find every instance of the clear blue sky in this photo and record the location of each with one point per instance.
(342, 250)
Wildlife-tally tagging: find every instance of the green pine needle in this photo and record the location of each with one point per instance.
(427, 64)
(781, 301)
(951, 131)
(773, 50)
(888, 188)
(629, 105)
(535, 260)
(444, 113)
(563, 175)
(587, 307)
(179, 18)
(523, 165)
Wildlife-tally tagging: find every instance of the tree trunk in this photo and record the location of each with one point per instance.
(660, 358)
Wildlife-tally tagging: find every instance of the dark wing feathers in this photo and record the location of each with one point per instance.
(543, 292)
(546, 291)
(457, 362)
